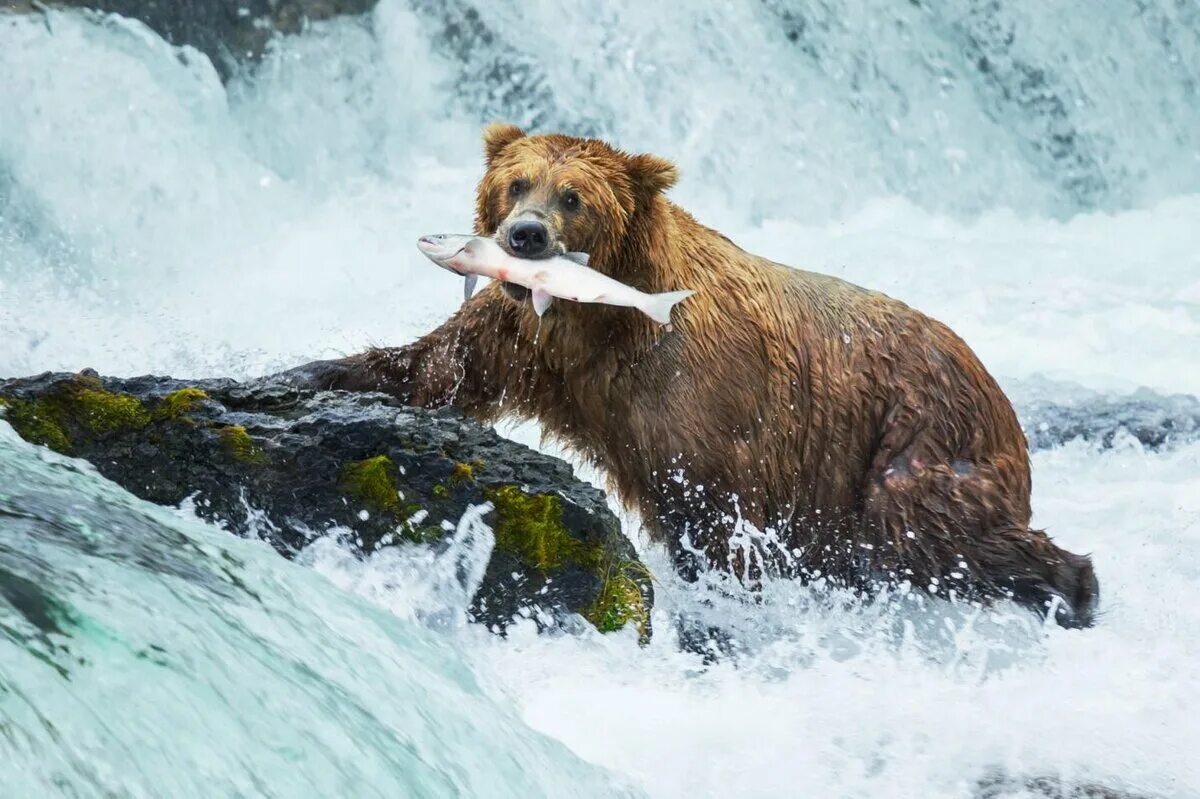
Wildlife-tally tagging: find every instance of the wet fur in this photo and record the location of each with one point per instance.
(867, 435)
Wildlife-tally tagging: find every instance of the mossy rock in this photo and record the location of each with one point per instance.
(76, 407)
(530, 528)
(373, 480)
(240, 446)
(36, 423)
(624, 598)
(285, 465)
(374, 483)
(178, 405)
(465, 472)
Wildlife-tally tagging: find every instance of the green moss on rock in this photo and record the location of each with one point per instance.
(178, 404)
(464, 472)
(81, 403)
(423, 534)
(36, 424)
(104, 412)
(240, 446)
(530, 527)
(621, 600)
(373, 481)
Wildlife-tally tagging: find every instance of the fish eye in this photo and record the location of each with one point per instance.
(570, 201)
(517, 188)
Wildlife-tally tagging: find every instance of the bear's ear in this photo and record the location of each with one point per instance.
(497, 136)
(652, 174)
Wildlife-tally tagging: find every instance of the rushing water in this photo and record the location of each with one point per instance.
(1025, 171)
(146, 654)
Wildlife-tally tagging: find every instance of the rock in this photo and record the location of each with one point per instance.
(291, 465)
(1001, 786)
(229, 32)
(1155, 420)
(495, 80)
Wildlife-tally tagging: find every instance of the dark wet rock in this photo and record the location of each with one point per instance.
(1155, 420)
(229, 32)
(1003, 786)
(1034, 99)
(35, 604)
(289, 465)
(494, 79)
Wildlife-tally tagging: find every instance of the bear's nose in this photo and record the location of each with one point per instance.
(529, 239)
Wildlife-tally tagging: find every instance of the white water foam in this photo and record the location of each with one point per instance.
(854, 701)
(151, 221)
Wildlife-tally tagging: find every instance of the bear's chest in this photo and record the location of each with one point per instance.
(591, 392)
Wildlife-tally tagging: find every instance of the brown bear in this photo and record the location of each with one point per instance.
(841, 433)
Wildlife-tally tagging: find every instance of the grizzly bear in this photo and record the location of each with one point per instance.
(786, 423)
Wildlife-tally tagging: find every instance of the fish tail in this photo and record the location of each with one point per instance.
(658, 306)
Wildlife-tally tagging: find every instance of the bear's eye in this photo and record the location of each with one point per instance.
(570, 201)
(517, 188)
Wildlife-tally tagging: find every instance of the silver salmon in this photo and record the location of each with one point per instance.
(566, 277)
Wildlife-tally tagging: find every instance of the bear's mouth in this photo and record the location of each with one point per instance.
(520, 293)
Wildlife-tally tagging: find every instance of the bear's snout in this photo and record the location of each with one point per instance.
(529, 238)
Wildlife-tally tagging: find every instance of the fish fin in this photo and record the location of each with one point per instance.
(658, 306)
(580, 258)
(541, 301)
(469, 282)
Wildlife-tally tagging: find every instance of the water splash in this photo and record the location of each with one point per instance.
(432, 586)
(144, 654)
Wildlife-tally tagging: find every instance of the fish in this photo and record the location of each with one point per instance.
(566, 276)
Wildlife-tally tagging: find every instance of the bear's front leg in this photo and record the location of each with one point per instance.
(465, 362)
(384, 370)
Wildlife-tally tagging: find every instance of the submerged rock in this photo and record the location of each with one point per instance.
(289, 465)
(999, 785)
(1155, 420)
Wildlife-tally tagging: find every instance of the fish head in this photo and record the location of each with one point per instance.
(443, 248)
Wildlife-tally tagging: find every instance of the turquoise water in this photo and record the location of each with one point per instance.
(146, 654)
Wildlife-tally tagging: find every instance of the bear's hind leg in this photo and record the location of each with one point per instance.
(962, 527)
(1041, 575)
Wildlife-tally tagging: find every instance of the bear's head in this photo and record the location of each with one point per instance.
(549, 194)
